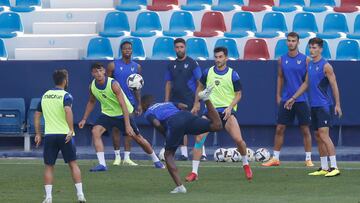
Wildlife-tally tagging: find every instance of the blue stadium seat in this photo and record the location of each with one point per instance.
(304, 23)
(195, 5)
(180, 23)
(356, 34)
(163, 49)
(280, 48)
(333, 24)
(116, 23)
(30, 117)
(196, 48)
(3, 52)
(147, 23)
(4, 3)
(273, 22)
(319, 5)
(99, 48)
(242, 22)
(231, 45)
(137, 45)
(348, 50)
(12, 116)
(227, 5)
(131, 5)
(325, 53)
(10, 24)
(26, 5)
(288, 5)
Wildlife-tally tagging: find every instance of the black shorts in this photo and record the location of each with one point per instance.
(109, 122)
(321, 117)
(222, 115)
(300, 109)
(55, 143)
(183, 123)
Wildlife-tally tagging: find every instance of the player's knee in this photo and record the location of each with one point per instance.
(96, 132)
(216, 126)
(280, 129)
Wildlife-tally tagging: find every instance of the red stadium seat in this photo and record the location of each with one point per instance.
(348, 6)
(256, 49)
(211, 24)
(257, 5)
(162, 5)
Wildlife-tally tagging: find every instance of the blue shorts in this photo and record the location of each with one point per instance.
(300, 109)
(321, 117)
(55, 143)
(183, 123)
(109, 122)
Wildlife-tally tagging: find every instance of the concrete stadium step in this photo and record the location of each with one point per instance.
(47, 54)
(64, 28)
(81, 4)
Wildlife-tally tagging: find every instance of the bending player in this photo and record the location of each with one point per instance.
(174, 123)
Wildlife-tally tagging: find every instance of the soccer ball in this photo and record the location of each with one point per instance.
(228, 155)
(262, 155)
(235, 155)
(250, 154)
(161, 154)
(135, 81)
(219, 155)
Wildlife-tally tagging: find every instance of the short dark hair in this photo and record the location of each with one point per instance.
(179, 40)
(316, 40)
(293, 34)
(221, 49)
(59, 76)
(146, 101)
(123, 43)
(97, 65)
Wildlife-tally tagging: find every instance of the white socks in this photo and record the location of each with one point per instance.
(126, 155)
(184, 151)
(154, 157)
(203, 150)
(117, 154)
(79, 190)
(101, 158)
(48, 189)
(324, 163)
(333, 161)
(307, 156)
(244, 160)
(277, 155)
(195, 166)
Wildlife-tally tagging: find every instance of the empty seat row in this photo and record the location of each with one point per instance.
(255, 49)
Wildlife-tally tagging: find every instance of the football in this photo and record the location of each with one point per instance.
(250, 154)
(135, 81)
(219, 155)
(262, 155)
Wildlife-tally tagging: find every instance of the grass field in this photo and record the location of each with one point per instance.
(21, 181)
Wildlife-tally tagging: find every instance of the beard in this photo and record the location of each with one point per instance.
(180, 55)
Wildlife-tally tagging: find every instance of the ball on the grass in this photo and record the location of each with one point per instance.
(219, 155)
(262, 155)
(250, 154)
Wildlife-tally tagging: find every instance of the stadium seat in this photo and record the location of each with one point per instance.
(304, 23)
(319, 5)
(4, 3)
(197, 49)
(131, 5)
(348, 6)
(26, 5)
(288, 5)
(3, 52)
(12, 116)
(334, 23)
(231, 45)
(356, 34)
(196, 5)
(163, 49)
(242, 23)
(138, 48)
(348, 50)
(272, 24)
(181, 22)
(256, 49)
(227, 5)
(258, 5)
(280, 48)
(162, 5)
(325, 53)
(10, 24)
(147, 23)
(99, 48)
(212, 24)
(30, 117)
(115, 25)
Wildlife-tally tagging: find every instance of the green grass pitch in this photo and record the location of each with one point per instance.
(21, 181)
